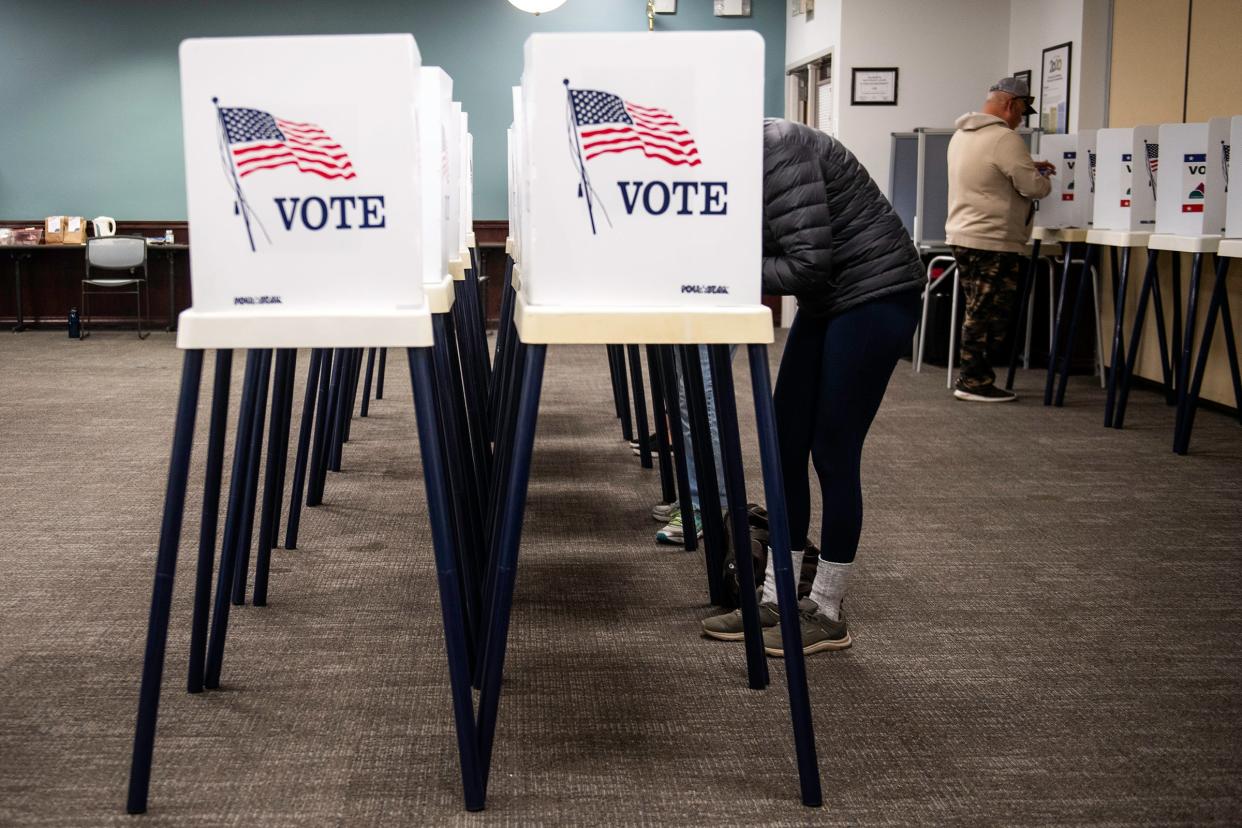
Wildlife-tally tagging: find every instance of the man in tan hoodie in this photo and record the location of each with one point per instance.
(992, 184)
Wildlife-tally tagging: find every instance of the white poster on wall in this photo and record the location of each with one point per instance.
(1054, 89)
(302, 172)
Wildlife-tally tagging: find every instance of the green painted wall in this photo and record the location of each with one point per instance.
(90, 112)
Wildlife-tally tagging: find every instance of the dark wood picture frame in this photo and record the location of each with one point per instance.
(854, 85)
(1068, 46)
(1025, 74)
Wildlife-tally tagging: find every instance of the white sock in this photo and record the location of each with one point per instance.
(769, 576)
(828, 588)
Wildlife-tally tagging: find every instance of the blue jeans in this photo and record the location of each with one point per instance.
(711, 422)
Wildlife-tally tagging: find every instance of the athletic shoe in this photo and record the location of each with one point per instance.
(663, 512)
(986, 393)
(819, 632)
(728, 627)
(651, 441)
(652, 447)
(674, 533)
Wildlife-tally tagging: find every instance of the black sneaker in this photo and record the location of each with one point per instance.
(986, 393)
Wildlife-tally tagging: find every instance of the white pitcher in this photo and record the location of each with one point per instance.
(104, 226)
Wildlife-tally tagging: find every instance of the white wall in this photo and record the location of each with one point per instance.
(1034, 25)
(806, 37)
(948, 52)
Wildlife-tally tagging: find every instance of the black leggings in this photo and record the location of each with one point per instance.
(832, 378)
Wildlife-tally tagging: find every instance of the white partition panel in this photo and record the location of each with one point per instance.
(452, 200)
(1233, 169)
(1125, 193)
(436, 96)
(1069, 204)
(645, 169)
(302, 173)
(1191, 181)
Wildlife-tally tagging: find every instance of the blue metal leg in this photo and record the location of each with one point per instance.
(325, 407)
(355, 372)
(340, 396)
(1149, 290)
(668, 490)
(1055, 351)
(162, 589)
(232, 522)
(1218, 302)
(379, 380)
(613, 378)
(735, 489)
(623, 393)
(1084, 282)
(1015, 330)
(677, 439)
(309, 403)
(1231, 349)
(510, 539)
(786, 589)
(705, 472)
(450, 605)
(1117, 365)
(463, 509)
(211, 517)
(282, 446)
(366, 385)
(1188, 346)
(1175, 303)
(471, 411)
(242, 571)
(641, 422)
(272, 492)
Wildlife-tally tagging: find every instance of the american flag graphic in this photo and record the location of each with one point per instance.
(259, 140)
(1224, 162)
(1091, 168)
(1153, 163)
(608, 124)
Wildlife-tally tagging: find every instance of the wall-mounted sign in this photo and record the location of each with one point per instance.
(1025, 75)
(874, 87)
(1054, 89)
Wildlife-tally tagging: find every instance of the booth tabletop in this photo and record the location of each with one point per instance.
(1119, 238)
(1183, 244)
(548, 325)
(1230, 248)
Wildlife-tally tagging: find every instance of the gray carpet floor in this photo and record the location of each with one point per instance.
(1046, 613)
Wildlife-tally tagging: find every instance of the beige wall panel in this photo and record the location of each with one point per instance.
(1215, 78)
(1149, 61)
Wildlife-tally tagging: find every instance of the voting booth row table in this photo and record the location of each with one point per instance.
(643, 232)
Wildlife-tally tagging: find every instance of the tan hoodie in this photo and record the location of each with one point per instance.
(992, 181)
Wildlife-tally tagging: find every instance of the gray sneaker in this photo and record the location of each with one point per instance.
(663, 512)
(819, 632)
(728, 627)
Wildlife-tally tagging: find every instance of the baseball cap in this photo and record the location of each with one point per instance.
(1018, 88)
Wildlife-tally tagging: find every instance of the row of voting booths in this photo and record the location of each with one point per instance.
(334, 215)
(1163, 189)
(1159, 188)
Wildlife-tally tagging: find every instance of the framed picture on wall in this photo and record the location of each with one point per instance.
(1054, 89)
(874, 86)
(1025, 75)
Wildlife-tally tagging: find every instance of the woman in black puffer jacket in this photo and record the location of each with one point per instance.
(831, 239)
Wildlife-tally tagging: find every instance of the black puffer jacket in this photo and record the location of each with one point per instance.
(830, 237)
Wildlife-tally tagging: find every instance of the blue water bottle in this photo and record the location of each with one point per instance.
(75, 325)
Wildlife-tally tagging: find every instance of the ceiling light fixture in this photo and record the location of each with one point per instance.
(537, 7)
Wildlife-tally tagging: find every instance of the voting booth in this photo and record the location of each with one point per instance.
(1233, 173)
(291, 192)
(1069, 203)
(435, 94)
(1126, 165)
(656, 198)
(1191, 180)
(304, 185)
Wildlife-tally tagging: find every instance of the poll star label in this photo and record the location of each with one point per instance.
(1194, 181)
(1127, 178)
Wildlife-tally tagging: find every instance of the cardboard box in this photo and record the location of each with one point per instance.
(75, 230)
(54, 230)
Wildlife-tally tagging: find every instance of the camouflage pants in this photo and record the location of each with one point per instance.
(990, 282)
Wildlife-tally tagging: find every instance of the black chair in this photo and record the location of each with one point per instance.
(116, 253)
